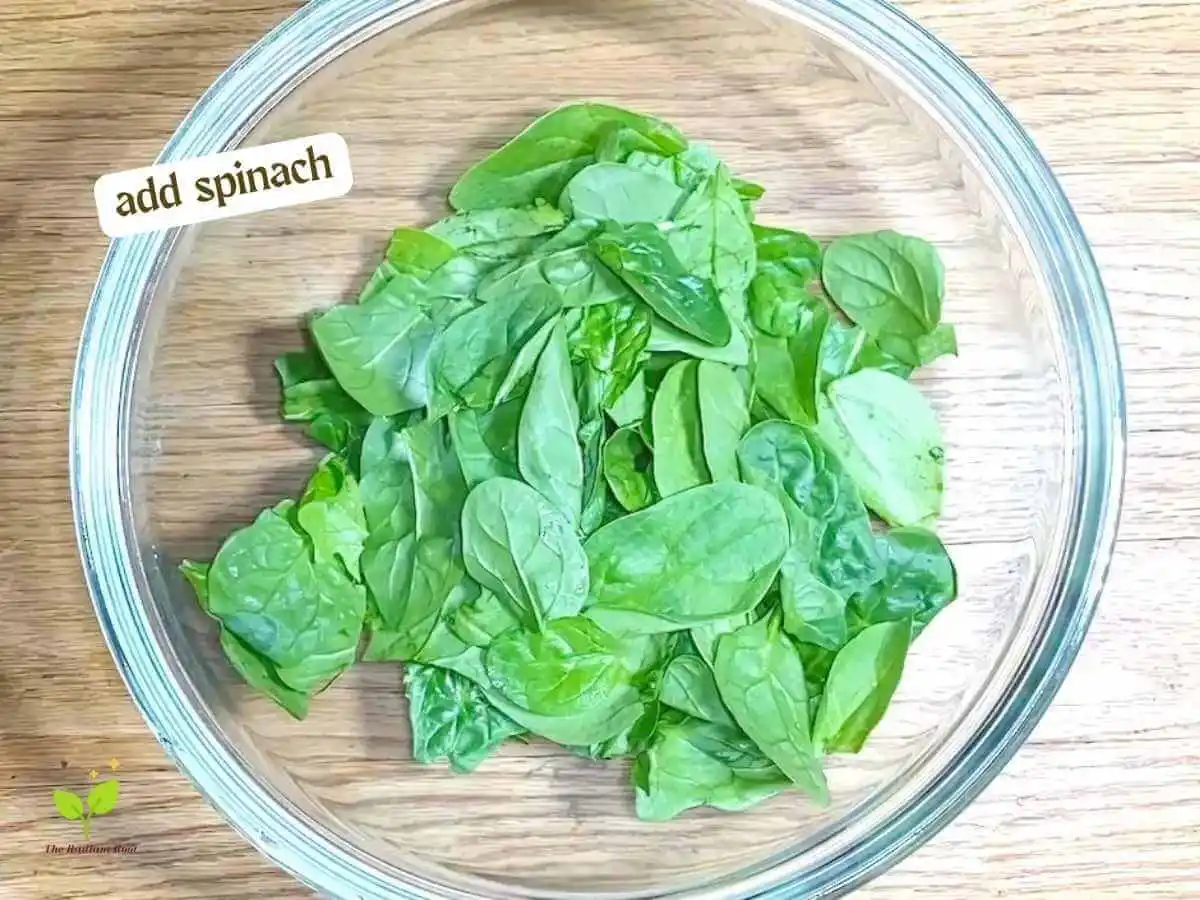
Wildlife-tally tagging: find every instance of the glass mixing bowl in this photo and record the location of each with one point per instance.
(853, 118)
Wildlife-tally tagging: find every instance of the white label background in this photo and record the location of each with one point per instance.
(191, 209)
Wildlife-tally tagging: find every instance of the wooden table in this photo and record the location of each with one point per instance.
(1104, 801)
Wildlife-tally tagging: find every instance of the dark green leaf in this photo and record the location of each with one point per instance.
(643, 258)
(918, 580)
(451, 719)
(312, 395)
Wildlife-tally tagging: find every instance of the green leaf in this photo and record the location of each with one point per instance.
(761, 679)
(312, 395)
(268, 590)
(548, 452)
(103, 797)
(678, 440)
(262, 675)
(630, 408)
(516, 383)
(471, 357)
(813, 612)
(666, 338)
(331, 514)
(451, 719)
(860, 686)
(705, 636)
(378, 353)
(197, 576)
(571, 666)
(918, 582)
(500, 234)
(658, 571)
(643, 258)
(539, 162)
(887, 437)
(522, 548)
(831, 531)
(486, 441)
(610, 339)
(942, 341)
(724, 418)
(591, 385)
(480, 621)
(69, 805)
(608, 191)
(416, 251)
(712, 237)
(788, 370)
(628, 468)
(689, 686)
(782, 293)
(890, 284)
(693, 763)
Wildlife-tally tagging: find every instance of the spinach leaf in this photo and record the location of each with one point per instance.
(570, 666)
(860, 686)
(705, 637)
(678, 441)
(522, 548)
(331, 514)
(481, 620)
(516, 382)
(451, 720)
(613, 192)
(813, 612)
(724, 418)
(416, 251)
(471, 357)
(701, 556)
(540, 161)
(628, 468)
(761, 679)
(262, 675)
(942, 341)
(618, 142)
(196, 575)
(378, 353)
(782, 292)
(833, 530)
(788, 370)
(591, 385)
(630, 407)
(548, 452)
(312, 395)
(267, 589)
(918, 582)
(887, 437)
(693, 763)
(689, 686)
(611, 339)
(666, 338)
(890, 284)
(486, 442)
(712, 237)
(644, 260)
(500, 234)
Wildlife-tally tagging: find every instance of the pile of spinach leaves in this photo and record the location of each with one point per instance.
(613, 465)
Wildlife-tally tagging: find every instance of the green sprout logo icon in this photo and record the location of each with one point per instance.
(101, 800)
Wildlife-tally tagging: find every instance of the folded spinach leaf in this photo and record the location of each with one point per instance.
(629, 469)
(313, 396)
(689, 687)
(451, 719)
(861, 683)
(918, 582)
(541, 160)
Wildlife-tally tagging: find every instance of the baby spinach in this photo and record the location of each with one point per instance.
(539, 162)
(469, 360)
(612, 192)
(451, 719)
(643, 258)
(600, 451)
(861, 683)
(629, 469)
(570, 666)
(678, 439)
(918, 582)
(724, 418)
(548, 453)
(890, 284)
(704, 555)
(761, 679)
(887, 437)
(518, 545)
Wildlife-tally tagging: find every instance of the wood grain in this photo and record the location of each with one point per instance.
(1104, 801)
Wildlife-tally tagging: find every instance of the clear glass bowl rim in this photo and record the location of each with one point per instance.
(304, 43)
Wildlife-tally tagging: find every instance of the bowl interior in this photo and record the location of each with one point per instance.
(841, 146)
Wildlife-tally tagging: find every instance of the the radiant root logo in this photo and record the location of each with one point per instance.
(100, 801)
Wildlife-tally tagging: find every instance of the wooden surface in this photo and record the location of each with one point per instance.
(1104, 801)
